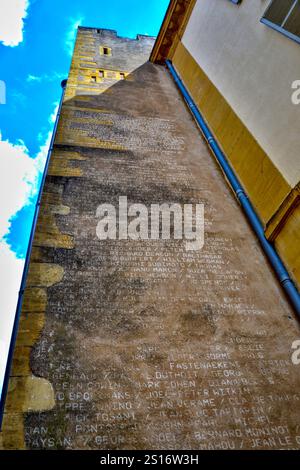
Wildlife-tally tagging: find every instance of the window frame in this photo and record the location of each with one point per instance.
(105, 50)
(281, 28)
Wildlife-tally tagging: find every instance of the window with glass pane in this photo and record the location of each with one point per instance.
(284, 16)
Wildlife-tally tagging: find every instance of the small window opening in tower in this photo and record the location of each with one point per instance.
(122, 75)
(105, 51)
(93, 79)
(101, 73)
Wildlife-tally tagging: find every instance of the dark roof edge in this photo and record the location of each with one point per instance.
(114, 33)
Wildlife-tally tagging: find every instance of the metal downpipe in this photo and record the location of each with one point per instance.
(273, 257)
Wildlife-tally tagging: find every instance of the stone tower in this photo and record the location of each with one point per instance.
(141, 344)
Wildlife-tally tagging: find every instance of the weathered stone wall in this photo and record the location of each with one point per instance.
(141, 344)
(92, 71)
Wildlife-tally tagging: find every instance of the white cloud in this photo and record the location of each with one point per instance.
(33, 78)
(12, 17)
(40, 159)
(10, 279)
(18, 175)
(45, 77)
(71, 34)
(52, 118)
(19, 181)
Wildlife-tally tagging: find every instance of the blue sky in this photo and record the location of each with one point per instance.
(36, 43)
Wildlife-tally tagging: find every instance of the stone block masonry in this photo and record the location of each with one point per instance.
(141, 344)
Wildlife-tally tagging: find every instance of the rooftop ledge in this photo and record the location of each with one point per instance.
(114, 33)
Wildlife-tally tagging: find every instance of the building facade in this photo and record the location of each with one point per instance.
(139, 343)
(241, 63)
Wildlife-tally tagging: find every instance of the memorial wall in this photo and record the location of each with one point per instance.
(143, 344)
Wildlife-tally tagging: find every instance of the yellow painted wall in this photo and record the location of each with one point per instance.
(253, 67)
(264, 183)
(267, 188)
(288, 244)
